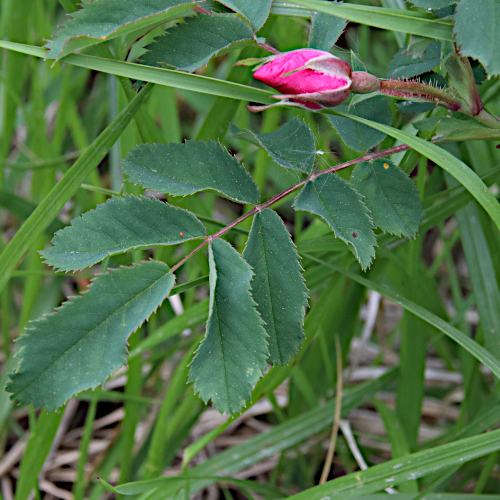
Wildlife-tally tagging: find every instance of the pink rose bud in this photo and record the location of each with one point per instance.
(310, 77)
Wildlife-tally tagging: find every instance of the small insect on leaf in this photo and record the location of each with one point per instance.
(181, 235)
(386, 166)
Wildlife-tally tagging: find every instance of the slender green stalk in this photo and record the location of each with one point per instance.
(81, 481)
(50, 206)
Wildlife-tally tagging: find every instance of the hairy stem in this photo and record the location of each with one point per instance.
(412, 89)
(286, 192)
(415, 90)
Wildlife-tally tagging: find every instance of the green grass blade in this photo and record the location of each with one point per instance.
(50, 206)
(162, 431)
(170, 78)
(22, 209)
(397, 439)
(36, 451)
(482, 274)
(281, 437)
(393, 472)
(458, 169)
(145, 486)
(432, 496)
(391, 19)
(479, 352)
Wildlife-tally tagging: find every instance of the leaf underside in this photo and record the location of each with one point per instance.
(119, 225)
(417, 45)
(406, 66)
(325, 30)
(390, 195)
(278, 286)
(232, 356)
(190, 45)
(104, 20)
(477, 30)
(256, 11)
(84, 341)
(341, 206)
(359, 137)
(183, 169)
(291, 145)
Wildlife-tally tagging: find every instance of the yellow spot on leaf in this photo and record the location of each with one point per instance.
(386, 166)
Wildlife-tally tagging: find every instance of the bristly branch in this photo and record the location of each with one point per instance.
(414, 89)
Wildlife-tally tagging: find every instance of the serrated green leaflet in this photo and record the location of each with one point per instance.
(356, 136)
(291, 145)
(182, 169)
(407, 66)
(477, 29)
(101, 20)
(325, 30)
(405, 21)
(232, 356)
(356, 63)
(340, 205)
(84, 341)
(390, 195)
(256, 11)
(417, 45)
(190, 45)
(278, 286)
(458, 169)
(119, 225)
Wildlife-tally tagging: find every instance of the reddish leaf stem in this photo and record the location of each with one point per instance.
(286, 192)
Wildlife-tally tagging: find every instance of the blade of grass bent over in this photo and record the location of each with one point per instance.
(281, 437)
(50, 206)
(395, 471)
(161, 76)
(391, 19)
(458, 169)
(479, 352)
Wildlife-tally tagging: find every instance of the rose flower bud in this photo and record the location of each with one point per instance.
(313, 78)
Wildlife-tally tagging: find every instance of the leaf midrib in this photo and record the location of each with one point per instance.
(117, 311)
